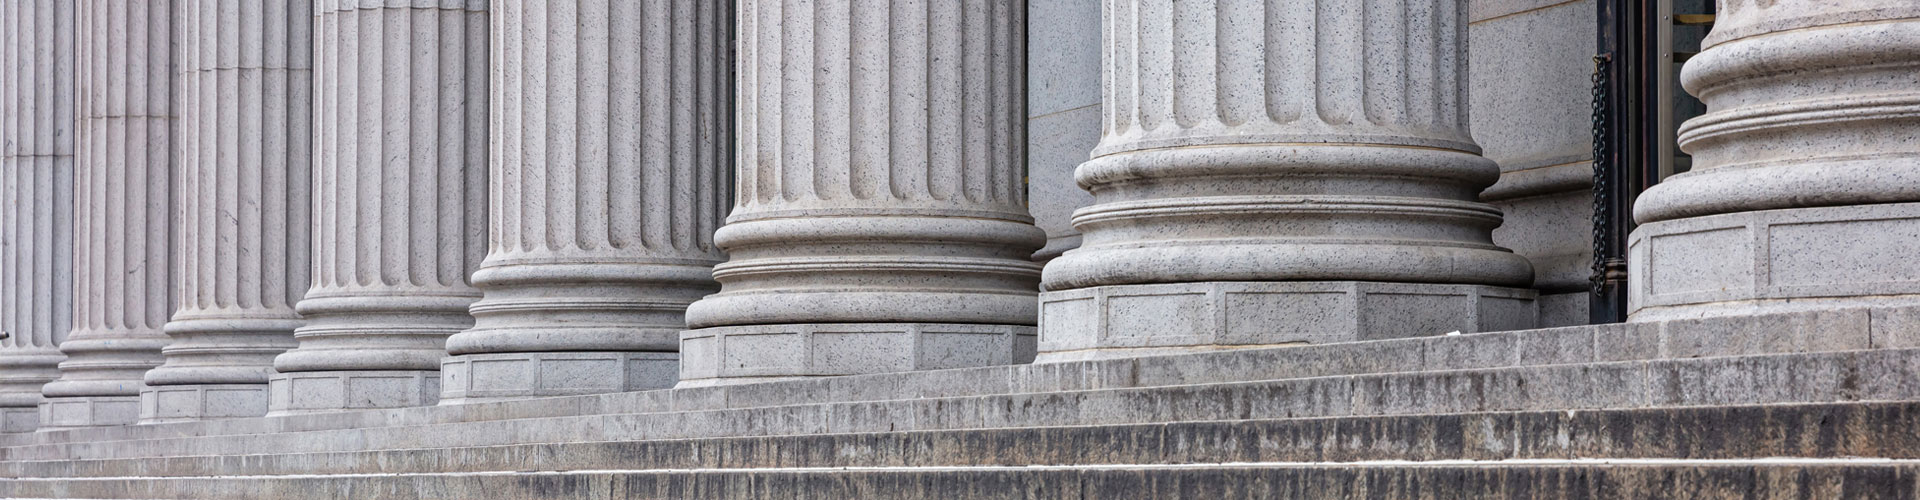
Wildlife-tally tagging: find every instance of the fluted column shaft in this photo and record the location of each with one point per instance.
(1805, 182)
(1276, 141)
(36, 203)
(400, 176)
(609, 161)
(243, 187)
(122, 270)
(881, 164)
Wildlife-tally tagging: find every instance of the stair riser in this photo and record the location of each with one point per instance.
(1821, 331)
(1821, 431)
(1516, 482)
(1834, 377)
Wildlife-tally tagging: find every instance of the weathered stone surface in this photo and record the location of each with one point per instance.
(36, 202)
(610, 159)
(1219, 166)
(1804, 167)
(880, 177)
(245, 192)
(735, 354)
(1134, 320)
(1063, 114)
(400, 179)
(1681, 480)
(122, 268)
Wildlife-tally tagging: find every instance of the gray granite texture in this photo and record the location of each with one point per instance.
(753, 353)
(400, 181)
(242, 247)
(1219, 166)
(36, 203)
(1806, 171)
(1063, 113)
(121, 202)
(880, 175)
(1531, 108)
(609, 170)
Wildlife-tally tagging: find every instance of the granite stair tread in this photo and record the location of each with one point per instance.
(1873, 375)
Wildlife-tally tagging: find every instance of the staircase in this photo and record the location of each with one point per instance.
(1805, 405)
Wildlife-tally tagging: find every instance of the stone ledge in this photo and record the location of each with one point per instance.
(472, 378)
(19, 419)
(333, 391)
(753, 353)
(1114, 321)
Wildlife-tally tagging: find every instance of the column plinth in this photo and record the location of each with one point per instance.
(1281, 172)
(400, 213)
(609, 161)
(1805, 186)
(244, 197)
(880, 220)
(36, 203)
(121, 266)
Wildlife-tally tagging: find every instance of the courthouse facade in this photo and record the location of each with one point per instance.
(725, 249)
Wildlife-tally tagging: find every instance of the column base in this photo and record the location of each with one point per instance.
(88, 411)
(1775, 261)
(728, 355)
(1121, 321)
(184, 403)
(19, 419)
(473, 378)
(299, 393)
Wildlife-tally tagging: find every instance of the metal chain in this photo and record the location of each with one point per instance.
(1601, 181)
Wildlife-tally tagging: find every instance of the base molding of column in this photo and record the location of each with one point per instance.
(727, 355)
(88, 411)
(1775, 261)
(1120, 321)
(475, 378)
(300, 393)
(19, 419)
(185, 403)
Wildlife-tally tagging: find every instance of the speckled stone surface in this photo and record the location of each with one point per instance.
(36, 202)
(1118, 321)
(122, 179)
(1806, 176)
(482, 377)
(880, 176)
(400, 181)
(1063, 114)
(1219, 166)
(610, 162)
(759, 353)
(330, 391)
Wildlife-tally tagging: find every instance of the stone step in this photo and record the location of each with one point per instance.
(1501, 480)
(1806, 332)
(1882, 430)
(1799, 332)
(1874, 375)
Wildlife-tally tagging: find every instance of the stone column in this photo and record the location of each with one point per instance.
(122, 270)
(244, 187)
(609, 156)
(880, 222)
(36, 203)
(1278, 172)
(400, 176)
(1805, 187)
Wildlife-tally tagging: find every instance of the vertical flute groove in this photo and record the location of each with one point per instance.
(37, 46)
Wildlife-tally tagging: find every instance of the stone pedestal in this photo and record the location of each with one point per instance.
(122, 272)
(244, 197)
(1805, 188)
(880, 200)
(1314, 144)
(610, 156)
(400, 177)
(36, 202)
